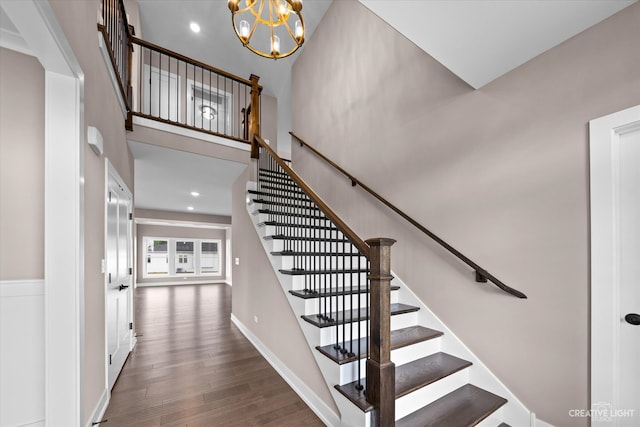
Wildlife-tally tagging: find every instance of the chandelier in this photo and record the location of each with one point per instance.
(269, 28)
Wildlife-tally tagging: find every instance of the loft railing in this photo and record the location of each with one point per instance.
(350, 278)
(117, 36)
(165, 86)
(184, 92)
(481, 275)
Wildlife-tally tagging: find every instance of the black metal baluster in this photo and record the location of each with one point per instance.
(359, 331)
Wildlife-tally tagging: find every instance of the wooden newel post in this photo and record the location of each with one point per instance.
(381, 371)
(254, 120)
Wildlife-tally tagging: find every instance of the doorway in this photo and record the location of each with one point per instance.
(118, 274)
(615, 287)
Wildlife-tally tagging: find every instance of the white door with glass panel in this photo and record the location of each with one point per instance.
(118, 269)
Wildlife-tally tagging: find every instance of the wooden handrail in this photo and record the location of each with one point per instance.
(191, 61)
(482, 275)
(123, 91)
(340, 224)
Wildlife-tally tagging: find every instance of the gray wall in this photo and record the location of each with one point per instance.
(257, 292)
(21, 167)
(500, 172)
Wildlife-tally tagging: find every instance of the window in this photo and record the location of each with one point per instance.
(209, 258)
(157, 257)
(175, 257)
(185, 257)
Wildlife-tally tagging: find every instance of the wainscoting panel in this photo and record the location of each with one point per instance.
(22, 353)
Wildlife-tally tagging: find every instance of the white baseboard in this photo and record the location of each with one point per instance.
(178, 283)
(328, 416)
(100, 409)
(22, 361)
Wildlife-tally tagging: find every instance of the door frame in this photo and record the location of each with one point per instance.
(110, 170)
(63, 209)
(604, 146)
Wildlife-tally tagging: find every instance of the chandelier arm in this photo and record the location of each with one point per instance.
(295, 7)
(255, 23)
(286, 25)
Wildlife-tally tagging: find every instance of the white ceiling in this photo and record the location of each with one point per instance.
(478, 40)
(164, 179)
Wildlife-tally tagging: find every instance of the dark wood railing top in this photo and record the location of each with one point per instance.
(482, 275)
(339, 223)
(191, 61)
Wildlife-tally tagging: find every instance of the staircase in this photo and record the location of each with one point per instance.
(438, 381)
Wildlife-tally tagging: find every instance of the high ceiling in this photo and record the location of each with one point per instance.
(478, 40)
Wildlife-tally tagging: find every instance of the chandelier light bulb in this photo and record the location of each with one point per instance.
(260, 24)
(244, 30)
(275, 45)
(299, 31)
(283, 10)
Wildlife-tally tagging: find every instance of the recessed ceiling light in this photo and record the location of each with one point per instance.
(195, 193)
(194, 27)
(190, 208)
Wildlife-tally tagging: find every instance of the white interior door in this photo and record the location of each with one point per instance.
(119, 289)
(615, 269)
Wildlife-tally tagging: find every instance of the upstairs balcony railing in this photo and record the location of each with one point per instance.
(165, 86)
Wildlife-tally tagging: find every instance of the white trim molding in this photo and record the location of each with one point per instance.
(22, 352)
(100, 409)
(36, 23)
(323, 412)
(604, 145)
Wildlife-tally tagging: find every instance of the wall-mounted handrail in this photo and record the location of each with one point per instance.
(482, 275)
(340, 224)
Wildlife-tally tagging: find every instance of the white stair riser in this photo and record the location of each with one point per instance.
(400, 356)
(324, 263)
(324, 281)
(264, 217)
(350, 414)
(315, 305)
(404, 355)
(329, 335)
(494, 419)
(279, 245)
(425, 395)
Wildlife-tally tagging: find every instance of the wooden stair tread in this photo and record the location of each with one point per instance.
(354, 315)
(318, 254)
(268, 186)
(466, 406)
(300, 272)
(309, 207)
(281, 196)
(319, 214)
(306, 294)
(279, 183)
(411, 377)
(399, 338)
(305, 238)
(308, 226)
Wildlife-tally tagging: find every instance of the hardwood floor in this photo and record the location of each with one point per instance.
(193, 367)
